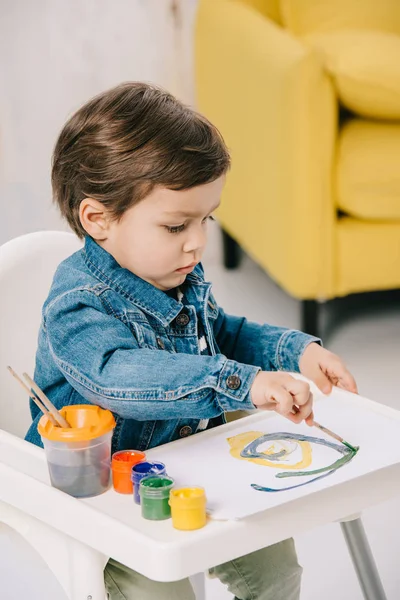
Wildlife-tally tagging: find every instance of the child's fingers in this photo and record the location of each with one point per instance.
(310, 419)
(300, 401)
(304, 411)
(348, 382)
(298, 415)
(294, 418)
(282, 399)
(322, 380)
(341, 377)
(300, 390)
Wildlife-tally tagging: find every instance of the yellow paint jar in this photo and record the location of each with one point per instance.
(188, 508)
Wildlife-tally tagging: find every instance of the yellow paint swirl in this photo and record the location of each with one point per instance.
(238, 442)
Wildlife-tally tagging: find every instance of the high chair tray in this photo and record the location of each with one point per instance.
(112, 524)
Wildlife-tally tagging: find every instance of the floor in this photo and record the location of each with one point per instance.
(366, 333)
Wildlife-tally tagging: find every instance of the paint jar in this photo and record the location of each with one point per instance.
(79, 457)
(154, 493)
(142, 470)
(121, 467)
(188, 508)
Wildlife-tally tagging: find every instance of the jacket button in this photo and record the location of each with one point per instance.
(185, 431)
(160, 344)
(233, 382)
(182, 319)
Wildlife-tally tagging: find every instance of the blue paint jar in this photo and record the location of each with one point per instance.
(144, 469)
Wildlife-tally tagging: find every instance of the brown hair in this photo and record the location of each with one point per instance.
(126, 141)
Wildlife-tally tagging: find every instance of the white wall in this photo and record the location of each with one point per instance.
(55, 55)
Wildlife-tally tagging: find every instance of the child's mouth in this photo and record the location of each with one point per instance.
(187, 269)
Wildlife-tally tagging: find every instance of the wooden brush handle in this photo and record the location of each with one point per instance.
(32, 397)
(49, 405)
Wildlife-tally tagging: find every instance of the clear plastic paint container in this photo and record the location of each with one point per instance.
(188, 508)
(144, 469)
(154, 493)
(79, 457)
(121, 467)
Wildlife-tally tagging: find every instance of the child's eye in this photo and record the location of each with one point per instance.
(175, 229)
(179, 228)
(209, 218)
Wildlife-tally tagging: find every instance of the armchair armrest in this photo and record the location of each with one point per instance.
(276, 108)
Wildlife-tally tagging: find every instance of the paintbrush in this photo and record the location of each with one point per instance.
(336, 437)
(33, 397)
(48, 404)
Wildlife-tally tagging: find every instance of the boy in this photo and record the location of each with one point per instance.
(131, 325)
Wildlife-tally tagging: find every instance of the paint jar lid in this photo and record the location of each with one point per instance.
(156, 487)
(144, 468)
(87, 422)
(188, 498)
(123, 461)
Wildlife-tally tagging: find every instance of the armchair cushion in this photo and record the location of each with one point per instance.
(367, 172)
(365, 66)
(303, 17)
(268, 8)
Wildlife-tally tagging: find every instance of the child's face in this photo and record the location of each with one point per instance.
(163, 237)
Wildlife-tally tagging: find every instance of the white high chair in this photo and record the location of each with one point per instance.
(75, 550)
(27, 266)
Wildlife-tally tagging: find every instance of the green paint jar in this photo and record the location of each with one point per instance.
(154, 495)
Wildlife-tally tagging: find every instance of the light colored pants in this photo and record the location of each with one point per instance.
(269, 574)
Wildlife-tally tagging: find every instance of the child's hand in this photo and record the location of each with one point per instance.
(284, 394)
(326, 369)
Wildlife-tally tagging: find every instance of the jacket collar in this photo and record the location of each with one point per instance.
(141, 293)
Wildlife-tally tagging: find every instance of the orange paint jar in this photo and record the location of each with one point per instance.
(121, 466)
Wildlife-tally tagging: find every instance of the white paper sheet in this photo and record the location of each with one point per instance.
(207, 461)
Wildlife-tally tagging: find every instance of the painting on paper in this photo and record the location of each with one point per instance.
(294, 456)
(263, 461)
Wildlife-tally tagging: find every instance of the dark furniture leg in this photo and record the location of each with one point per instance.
(232, 251)
(309, 317)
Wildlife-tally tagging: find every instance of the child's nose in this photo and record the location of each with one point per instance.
(196, 241)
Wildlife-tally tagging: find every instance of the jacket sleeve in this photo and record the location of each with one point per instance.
(266, 346)
(101, 359)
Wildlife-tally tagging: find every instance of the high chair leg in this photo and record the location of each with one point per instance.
(198, 582)
(78, 568)
(363, 559)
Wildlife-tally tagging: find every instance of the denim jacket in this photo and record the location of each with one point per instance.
(110, 338)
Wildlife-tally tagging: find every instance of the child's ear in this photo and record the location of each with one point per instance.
(94, 218)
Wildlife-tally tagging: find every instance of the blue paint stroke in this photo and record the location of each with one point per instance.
(251, 451)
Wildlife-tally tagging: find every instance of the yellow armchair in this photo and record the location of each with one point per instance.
(315, 201)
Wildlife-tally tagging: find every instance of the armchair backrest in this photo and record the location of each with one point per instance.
(303, 17)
